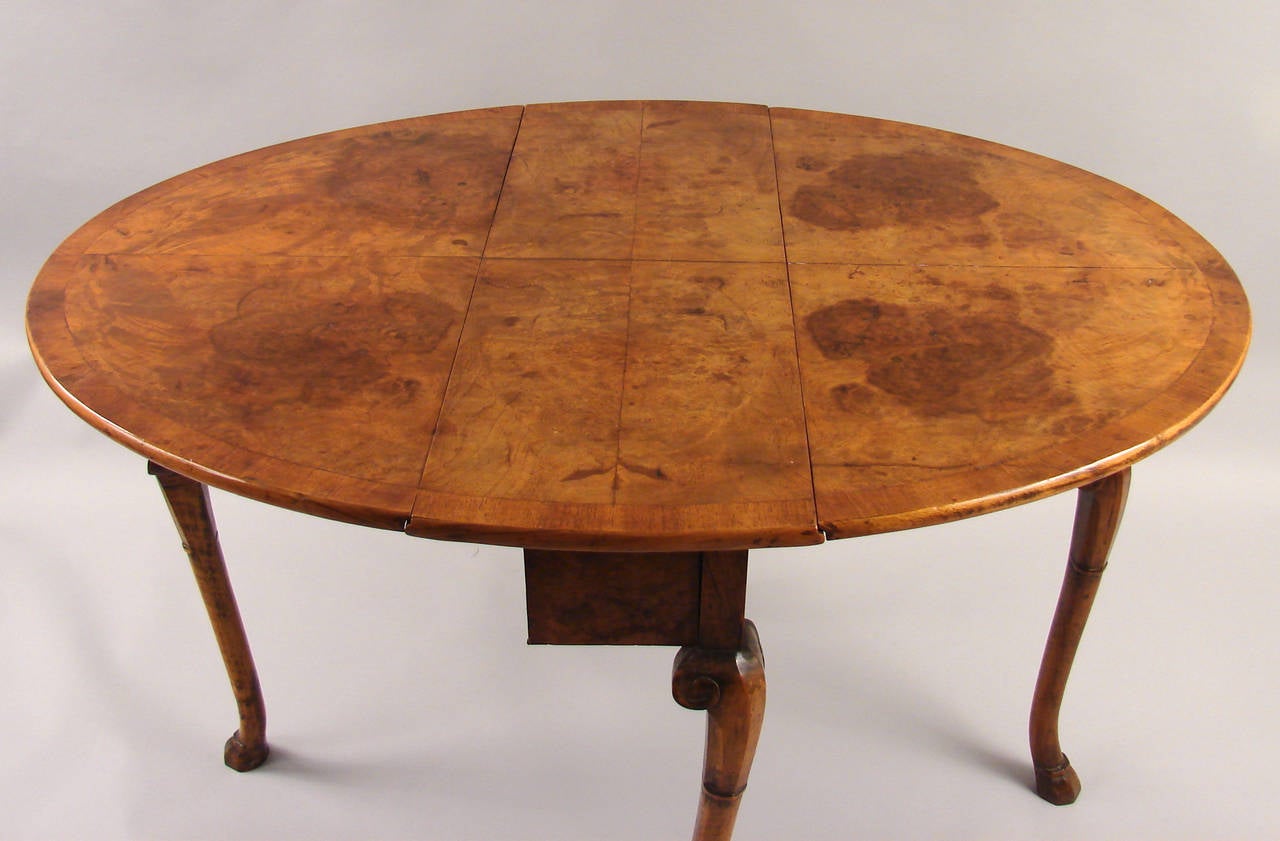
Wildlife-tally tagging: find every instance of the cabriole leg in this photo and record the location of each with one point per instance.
(730, 686)
(1098, 511)
(189, 503)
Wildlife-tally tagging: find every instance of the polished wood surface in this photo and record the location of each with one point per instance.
(1098, 511)
(636, 598)
(639, 339)
(189, 504)
(639, 326)
(730, 686)
(695, 600)
(612, 598)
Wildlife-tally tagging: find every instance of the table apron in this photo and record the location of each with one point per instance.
(630, 598)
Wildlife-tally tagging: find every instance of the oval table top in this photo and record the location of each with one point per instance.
(639, 325)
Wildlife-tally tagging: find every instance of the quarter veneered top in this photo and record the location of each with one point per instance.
(639, 325)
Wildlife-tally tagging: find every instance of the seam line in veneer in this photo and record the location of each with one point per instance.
(795, 331)
(622, 391)
(635, 187)
(462, 328)
(631, 281)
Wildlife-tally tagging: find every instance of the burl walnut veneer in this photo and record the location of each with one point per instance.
(639, 339)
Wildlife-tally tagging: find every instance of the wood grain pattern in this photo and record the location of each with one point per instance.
(894, 193)
(571, 187)
(188, 502)
(612, 598)
(638, 339)
(636, 598)
(281, 356)
(424, 187)
(730, 686)
(709, 417)
(723, 600)
(1098, 511)
(711, 407)
(640, 326)
(532, 408)
(707, 189)
(937, 382)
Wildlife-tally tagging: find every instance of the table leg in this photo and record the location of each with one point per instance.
(1098, 511)
(691, 599)
(730, 686)
(189, 504)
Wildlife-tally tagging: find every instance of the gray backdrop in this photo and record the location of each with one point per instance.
(403, 703)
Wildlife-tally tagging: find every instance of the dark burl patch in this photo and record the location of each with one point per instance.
(937, 362)
(380, 175)
(871, 191)
(327, 352)
(383, 176)
(851, 397)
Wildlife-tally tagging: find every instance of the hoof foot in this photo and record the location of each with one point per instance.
(1058, 785)
(242, 757)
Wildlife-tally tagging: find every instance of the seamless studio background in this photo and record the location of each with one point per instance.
(403, 702)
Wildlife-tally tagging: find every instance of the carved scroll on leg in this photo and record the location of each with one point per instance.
(189, 504)
(1098, 513)
(730, 686)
